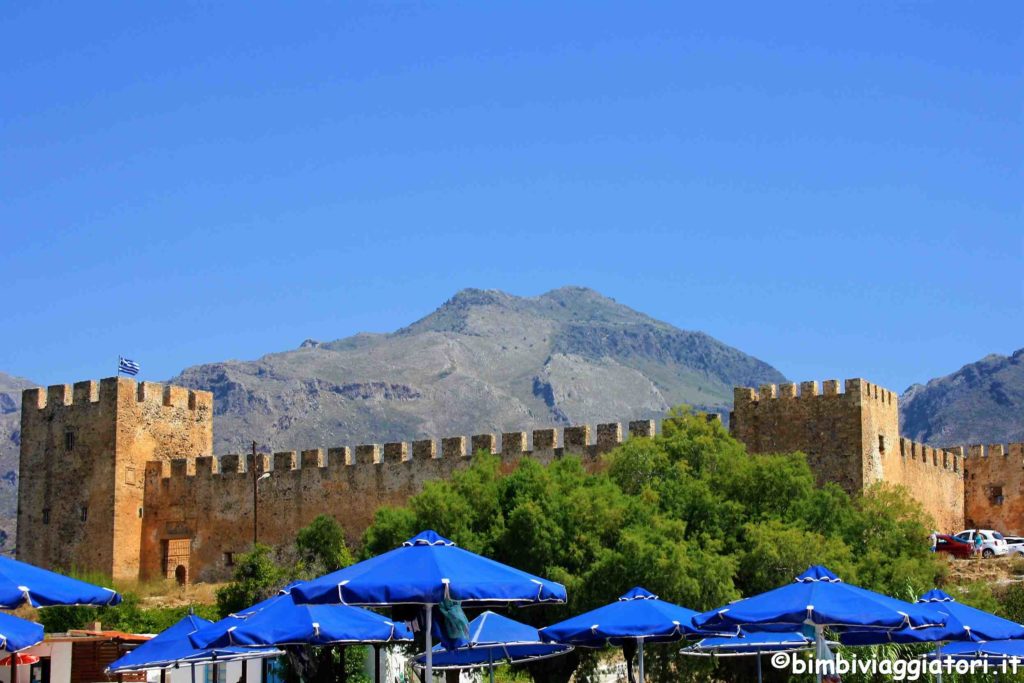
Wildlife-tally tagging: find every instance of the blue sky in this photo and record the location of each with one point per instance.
(832, 187)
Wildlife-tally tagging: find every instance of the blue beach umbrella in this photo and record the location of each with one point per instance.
(17, 634)
(995, 649)
(493, 639)
(279, 621)
(820, 599)
(25, 584)
(750, 644)
(425, 570)
(637, 616)
(963, 623)
(172, 647)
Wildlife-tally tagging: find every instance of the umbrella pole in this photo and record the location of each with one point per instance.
(14, 668)
(640, 657)
(819, 640)
(938, 656)
(490, 662)
(429, 670)
(758, 667)
(376, 663)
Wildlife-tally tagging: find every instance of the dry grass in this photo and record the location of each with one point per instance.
(997, 570)
(170, 594)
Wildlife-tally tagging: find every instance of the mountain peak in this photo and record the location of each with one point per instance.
(979, 403)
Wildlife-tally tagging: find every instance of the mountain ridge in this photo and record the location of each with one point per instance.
(982, 402)
(483, 360)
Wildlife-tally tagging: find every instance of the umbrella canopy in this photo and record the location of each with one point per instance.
(22, 583)
(494, 638)
(750, 644)
(996, 649)
(424, 570)
(16, 634)
(279, 621)
(638, 614)
(173, 647)
(821, 598)
(20, 659)
(962, 623)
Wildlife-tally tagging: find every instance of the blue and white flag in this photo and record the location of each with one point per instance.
(128, 367)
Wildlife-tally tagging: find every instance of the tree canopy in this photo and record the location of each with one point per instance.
(687, 514)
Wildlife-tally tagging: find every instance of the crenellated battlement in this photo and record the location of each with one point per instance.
(994, 450)
(855, 389)
(948, 459)
(106, 391)
(850, 433)
(212, 499)
(550, 442)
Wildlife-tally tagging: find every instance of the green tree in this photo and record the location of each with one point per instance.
(257, 577)
(321, 547)
(687, 514)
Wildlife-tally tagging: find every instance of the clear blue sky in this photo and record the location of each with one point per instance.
(833, 187)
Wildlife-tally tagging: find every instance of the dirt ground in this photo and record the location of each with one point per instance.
(998, 570)
(171, 595)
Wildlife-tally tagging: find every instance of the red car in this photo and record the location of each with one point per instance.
(953, 546)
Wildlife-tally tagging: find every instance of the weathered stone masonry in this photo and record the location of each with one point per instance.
(851, 437)
(84, 451)
(118, 477)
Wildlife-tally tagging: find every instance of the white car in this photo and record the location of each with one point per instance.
(992, 542)
(1014, 545)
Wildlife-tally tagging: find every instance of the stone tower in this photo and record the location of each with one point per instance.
(845, 435)
(83, 461)
(851, 438)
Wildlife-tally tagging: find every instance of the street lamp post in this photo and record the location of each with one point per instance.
(256, 479)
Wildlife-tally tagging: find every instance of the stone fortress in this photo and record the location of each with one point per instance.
(118, 477)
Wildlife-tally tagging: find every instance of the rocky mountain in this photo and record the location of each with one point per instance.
(10, 440)
(483, 361)
(982, 402)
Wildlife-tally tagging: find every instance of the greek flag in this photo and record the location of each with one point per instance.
(128, 367)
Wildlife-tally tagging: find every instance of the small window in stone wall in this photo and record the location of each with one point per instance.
(229, 559)
(83, 512)
(881, 443)
(46, 515)
(996, 495)
(69, 440)
(140, 513)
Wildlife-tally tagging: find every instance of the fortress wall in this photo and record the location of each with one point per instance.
(934, 476)
(824, 423)
(994, 487)
(83, 456)
(210, 500)
(850, 434)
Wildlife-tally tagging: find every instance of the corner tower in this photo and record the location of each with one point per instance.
(83, 461)
(846, 435)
